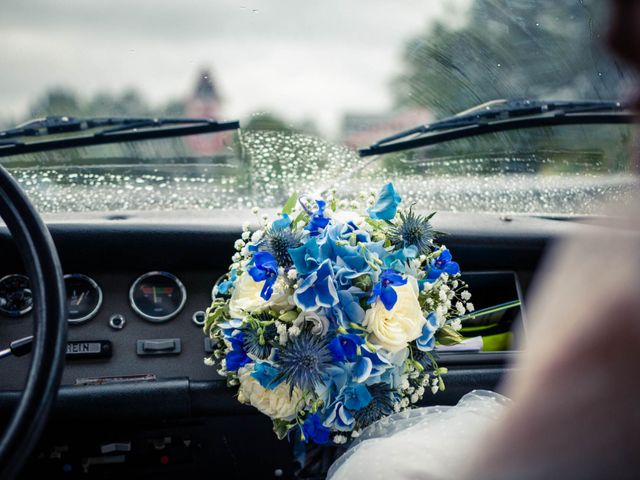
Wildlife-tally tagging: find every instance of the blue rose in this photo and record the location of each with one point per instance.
(386, 204)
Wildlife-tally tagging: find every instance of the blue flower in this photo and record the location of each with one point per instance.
(266, 375)
(317, 221)
(427, 340)
(339, 418)
(317, 290)
(348, 310)
(384, 289)
(345, 347)
(442, 264)
(386, 204)
(356, 396)
(307, 257)
(381, 405)
(398, 259)
(281, 223)
(264, 268)
(222, 288)
(305, 361)
(313, 429)
(236, 357)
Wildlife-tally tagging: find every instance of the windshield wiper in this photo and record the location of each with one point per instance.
(72, 132)
(503, 115)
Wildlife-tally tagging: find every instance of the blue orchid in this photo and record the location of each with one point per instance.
(317, 290)
(266, 375)
(386, 204)
(318, 221)
(236, 357)
(339, 418)
(384, 289)
(427, 341)
(345, 347)
(442, 264)
(265, 268)
(313, 429)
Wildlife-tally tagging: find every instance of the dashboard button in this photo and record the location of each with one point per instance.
(209, 343)
(117, 321)
(199, 318)
(159, 346)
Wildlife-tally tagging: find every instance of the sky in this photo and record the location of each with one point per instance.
(300, 59)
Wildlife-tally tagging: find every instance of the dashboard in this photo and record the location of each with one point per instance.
(135, 389)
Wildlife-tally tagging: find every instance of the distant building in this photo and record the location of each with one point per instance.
(205, 102)
(361, 130)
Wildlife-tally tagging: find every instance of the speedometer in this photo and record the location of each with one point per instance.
(84, 297)
(157, 296)
(15, 295)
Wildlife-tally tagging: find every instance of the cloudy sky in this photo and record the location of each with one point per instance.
(302, 59)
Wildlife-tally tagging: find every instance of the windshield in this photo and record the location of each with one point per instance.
(311, 83)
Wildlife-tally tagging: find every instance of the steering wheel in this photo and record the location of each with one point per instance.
(40, 259)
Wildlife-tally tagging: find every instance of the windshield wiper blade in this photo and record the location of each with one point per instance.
(73, 132)
(503, 115)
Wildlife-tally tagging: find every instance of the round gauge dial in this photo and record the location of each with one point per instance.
(16, 298)
(157, 296)
(84, 297)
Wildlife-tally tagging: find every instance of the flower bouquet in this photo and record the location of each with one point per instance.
(328, 317)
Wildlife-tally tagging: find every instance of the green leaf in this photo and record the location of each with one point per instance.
(440, 384)
(281, 428)
(291, 202)
(289, 316)
(448, 336)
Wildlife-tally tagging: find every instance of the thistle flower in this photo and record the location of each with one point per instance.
(278, 242)
(305, 360)
(381, 405)
(413, 229)
(259, 335)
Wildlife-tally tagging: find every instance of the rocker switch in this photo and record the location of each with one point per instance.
(160, 346)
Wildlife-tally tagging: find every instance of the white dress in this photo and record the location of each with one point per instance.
(427, 443)
(576, 390)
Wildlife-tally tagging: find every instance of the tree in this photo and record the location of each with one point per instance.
(509, 49)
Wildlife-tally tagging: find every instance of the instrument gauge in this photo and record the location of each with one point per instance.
(16, 298)
(157, 296)
(84, 297)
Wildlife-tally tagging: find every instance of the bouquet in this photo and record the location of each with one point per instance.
(329, 315)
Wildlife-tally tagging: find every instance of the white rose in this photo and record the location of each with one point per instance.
(276, 403)
(346, 216)
(246, 296)
(394, 329)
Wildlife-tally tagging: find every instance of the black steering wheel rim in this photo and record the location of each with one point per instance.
(42, 265)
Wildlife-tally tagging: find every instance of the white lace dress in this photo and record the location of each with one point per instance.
(427, 443)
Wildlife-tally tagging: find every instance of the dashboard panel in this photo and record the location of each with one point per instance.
(151, 395)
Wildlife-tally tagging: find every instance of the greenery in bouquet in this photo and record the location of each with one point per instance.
(329, 315)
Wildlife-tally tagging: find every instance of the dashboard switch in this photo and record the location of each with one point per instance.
(160, 346)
